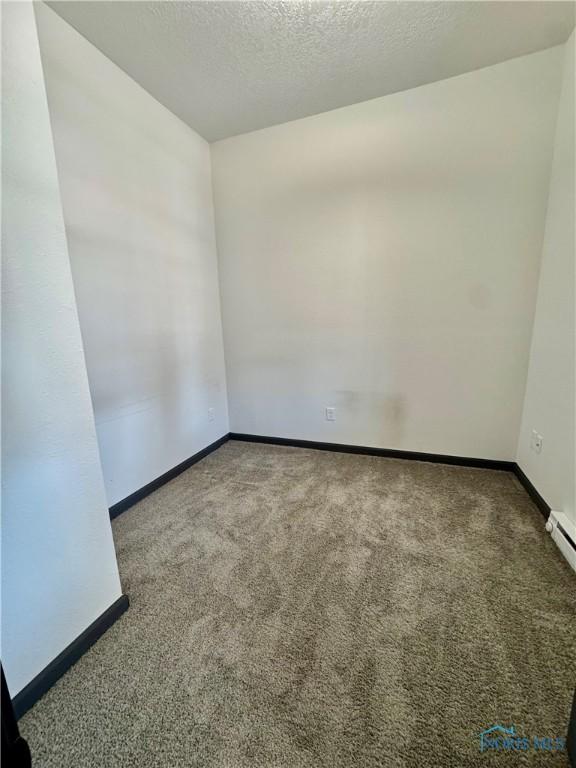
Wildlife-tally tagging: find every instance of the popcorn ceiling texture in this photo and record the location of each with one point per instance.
(230, 67)
(302, 609)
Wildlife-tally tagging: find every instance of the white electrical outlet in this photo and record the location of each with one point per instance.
(536, 442)
(211, 414)
(330, 414)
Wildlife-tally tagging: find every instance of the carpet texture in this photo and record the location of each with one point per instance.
(298, 608)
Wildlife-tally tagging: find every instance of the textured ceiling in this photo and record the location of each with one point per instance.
(230, 67)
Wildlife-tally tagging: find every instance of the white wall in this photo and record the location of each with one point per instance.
(550, 391)
(59, 568)
(383, 259)
(137, 198)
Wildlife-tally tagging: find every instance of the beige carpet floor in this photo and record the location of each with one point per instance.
(298, 608)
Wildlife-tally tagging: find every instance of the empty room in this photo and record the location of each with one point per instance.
(288, 384)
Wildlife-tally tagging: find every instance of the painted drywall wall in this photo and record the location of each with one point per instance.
(551, 389)
(59, 569)
(137, 199)
(383, 259)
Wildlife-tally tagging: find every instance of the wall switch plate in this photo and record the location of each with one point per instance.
(211, 414)
(330, 414)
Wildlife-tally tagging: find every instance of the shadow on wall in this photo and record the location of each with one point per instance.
(388, 411)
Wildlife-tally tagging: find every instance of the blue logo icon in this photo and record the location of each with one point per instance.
(496, 737)
(499, 737)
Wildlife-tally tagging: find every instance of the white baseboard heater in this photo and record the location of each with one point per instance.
(564, 534)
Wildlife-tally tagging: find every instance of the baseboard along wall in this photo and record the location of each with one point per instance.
(149, 488)
(390, 453)
(43, 681)
(46, 679)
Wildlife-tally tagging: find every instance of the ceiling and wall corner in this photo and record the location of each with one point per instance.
(227, 68)
(232, 67)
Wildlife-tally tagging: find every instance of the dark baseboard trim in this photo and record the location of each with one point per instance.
(37, 687)
(542, 505)
(129, 501)
(388, 453)
(438, 458)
